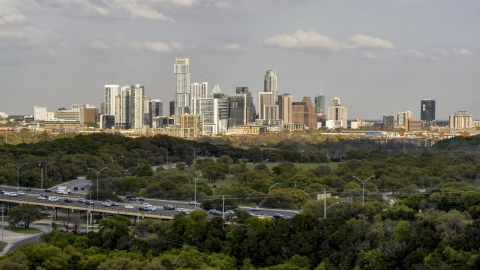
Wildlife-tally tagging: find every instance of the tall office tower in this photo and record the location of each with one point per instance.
(155, 109)
(81, 108)
(337, 113)
(223, 108)
(102, 108)
(208, 108)
(250, 106)
(146, 111)
(182, 88)
(427, 114)
(320, 104)
(39, 113)
(137, 110)
(264, 99)
(388, 121)
(197, 91)
(270, 85)
(285, 108)
(237, 110)
(111, 91)
(122, 108)
(172, 108)
(461, 119)
(304, 112)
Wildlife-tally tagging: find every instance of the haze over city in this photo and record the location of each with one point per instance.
(378, 57)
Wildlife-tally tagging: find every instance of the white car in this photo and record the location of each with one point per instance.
(181, 209)
(21, 193)
(192, 203)
(42, 197)
(150, 208)
(106, 203)
(53, 199)
(6, 193)
(128, 206)
(146, 204)
(13, 194)
(255, 208)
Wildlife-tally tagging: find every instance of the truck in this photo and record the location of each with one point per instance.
(63, 190)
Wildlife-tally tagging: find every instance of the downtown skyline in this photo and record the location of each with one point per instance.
(378, 58)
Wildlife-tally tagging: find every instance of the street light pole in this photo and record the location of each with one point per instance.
(363, 186)
(41, 175)
(18, 172)
(326, 208)
(97, 177)
(272, 187)
(109, 156)
(195, 180)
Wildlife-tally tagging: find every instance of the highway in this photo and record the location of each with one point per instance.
(32, 197)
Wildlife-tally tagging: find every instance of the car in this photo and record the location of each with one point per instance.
(169, 207)
(260, 216)
(53, 199)
(251, 214)
(13, 194)
(82, 188)
(40, 197)
(278, 215)
(21, 223)
(21, 193)
(141, 199)
(150, 208)
(131, 197)
(68, 200)
(89, 202)
(87, 185)
(255, 208)
(146, 204)
(184, 212)
(47, 190)
(128, 206)
(193, 203)
(114, 203)
(106, 204)
(107, 201)
(28, 189)
(230, 212)
(14, 188)
(215, 212)
(81, 200)
(75, 188)
(6, 193)
(181, 209)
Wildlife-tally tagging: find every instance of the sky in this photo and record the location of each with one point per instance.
(379, 57)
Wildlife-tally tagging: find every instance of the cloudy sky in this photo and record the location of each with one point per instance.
(379, 57)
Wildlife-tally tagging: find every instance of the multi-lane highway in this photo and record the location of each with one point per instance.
(31, 196)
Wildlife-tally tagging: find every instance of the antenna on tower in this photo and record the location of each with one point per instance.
(321, 90)
(206, 78)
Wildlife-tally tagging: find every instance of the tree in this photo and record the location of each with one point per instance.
(26, 213)
(180, 166)
(144, 170)
(213, 171)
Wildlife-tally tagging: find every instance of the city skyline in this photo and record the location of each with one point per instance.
(374, 68)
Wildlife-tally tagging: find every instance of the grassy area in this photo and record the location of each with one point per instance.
(23, 230)
(2, 246)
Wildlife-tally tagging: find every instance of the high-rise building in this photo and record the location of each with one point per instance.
(182, 88)
(123, 107)
(250, 107)
(264, 99)
(155, 109)
(285, 108)
(427, 114)
(197, 91)
(111, 91)
(223, 108)
(337, 113)
(39, 113)
(237, 110)
(304, 113)
(402, 117)
(388, 121)
(320, 104)
(137, 108)
(172, 108)
(461, 119)
(208, 108)
(271, 85)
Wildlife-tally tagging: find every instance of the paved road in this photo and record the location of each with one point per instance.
(12, 245)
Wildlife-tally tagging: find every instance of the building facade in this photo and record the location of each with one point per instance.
(155, 109)
(427, 109)
(182, 88)
(137, 109)
(460, 120)
(111, 91)
(285, 108)
(39, 113)
(337, 113)
(237, 110)
(388, 121)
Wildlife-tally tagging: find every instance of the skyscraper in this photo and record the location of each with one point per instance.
(182, 88)
(271, 85)
(155, 109)
(337, 113)
(320, 104)
(427, 114)
(122, 108)
(285, 108)
(111, 91)
(264, 99)
(250, 107)
(237, 110)
(137, 103)
(304, 113)
(388, 121)
(197, 91)
(402, 117)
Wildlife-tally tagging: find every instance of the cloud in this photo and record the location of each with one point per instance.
(440, 51)
(370, 55)
(160, 47)
(230, 48)
(111, 9)
(461, 52)
(418, 55)
(302, 39)
(11, 16)
(363, 41)
(98, 44)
